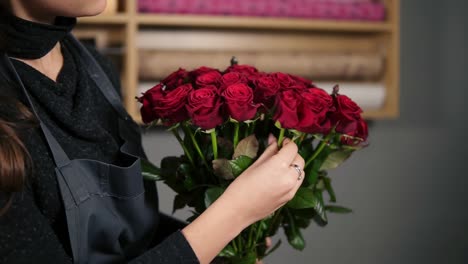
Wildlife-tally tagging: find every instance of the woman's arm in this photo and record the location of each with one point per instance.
(267, 185)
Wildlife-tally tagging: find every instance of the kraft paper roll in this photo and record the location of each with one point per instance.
(155, 65)
(369, 96)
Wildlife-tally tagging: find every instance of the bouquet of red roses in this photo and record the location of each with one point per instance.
(226, 117)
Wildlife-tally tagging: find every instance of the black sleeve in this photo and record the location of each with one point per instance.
(175, 249)
(26, 235)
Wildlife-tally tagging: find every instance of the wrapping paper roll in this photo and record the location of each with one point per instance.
(370, 96)
(155, 65)
(322, 9)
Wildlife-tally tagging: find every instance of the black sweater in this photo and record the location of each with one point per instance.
(34, 229)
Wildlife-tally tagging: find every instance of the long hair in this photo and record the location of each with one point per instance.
(15, 162)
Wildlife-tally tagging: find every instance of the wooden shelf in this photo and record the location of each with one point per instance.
(121, 19)
(260, 23)
(189, 29)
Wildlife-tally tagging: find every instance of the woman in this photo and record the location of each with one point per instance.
(83, 202)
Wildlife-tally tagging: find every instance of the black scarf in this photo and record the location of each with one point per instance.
(24, 39)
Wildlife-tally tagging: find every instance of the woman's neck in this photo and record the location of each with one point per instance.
(49, 65)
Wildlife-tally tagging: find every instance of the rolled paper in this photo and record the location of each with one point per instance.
(369, 96)
(155, 65)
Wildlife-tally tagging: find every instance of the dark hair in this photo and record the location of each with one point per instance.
(15, 162)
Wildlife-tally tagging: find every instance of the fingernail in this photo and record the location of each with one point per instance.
(286, 141)
(271, 139)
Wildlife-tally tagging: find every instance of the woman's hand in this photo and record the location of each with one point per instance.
(264, 187)
(268, 184)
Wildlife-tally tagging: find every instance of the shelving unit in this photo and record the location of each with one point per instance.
(127, 22)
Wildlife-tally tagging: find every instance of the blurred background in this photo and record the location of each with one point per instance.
(404, 61)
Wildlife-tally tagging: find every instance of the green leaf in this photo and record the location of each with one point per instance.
(250, 258)
(278, 125)
(188, 183)
(302, 222)
(150, 171)
(228, 252)
(321, 216)
(307, 148)
(312, 172)
(275, 247)
(240, 164)
(335, 158)
(329, 188)
(304, 198)
(179, 203)
(225, 147)
(292, 232)
(222, 168)
(247, 147)
(308, 213)
(212, 194)
(338, 209)
(169, 166)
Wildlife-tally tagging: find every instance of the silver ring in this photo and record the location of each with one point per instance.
(299, 171)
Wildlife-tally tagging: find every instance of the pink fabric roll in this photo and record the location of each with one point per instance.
(318, 9)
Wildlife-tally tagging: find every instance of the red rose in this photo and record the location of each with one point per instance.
(200, 71)
(307, 83)
(232, 78)
(239, 102)
(204, 106)
(175, 79)
(265, 89)
(208, 78)
(286, 108)
(313, 109)
(284, 80)
(347, 118)
(169, 105)
(359, 133)
(346, 108)
(246, 70)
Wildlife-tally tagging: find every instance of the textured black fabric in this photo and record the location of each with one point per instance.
(34, 229)
(25, 40)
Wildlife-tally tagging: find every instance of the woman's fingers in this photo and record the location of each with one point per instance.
(269, 152)
(298, 167)
(287, 153)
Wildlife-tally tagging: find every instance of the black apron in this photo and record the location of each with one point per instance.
(109, 220)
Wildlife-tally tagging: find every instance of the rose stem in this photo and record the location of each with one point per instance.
(273, 221)
(281, 137)
(175, 131)
(319, 149)
(236, 134)
(197, 147)
(252, 228)
(214, 142)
